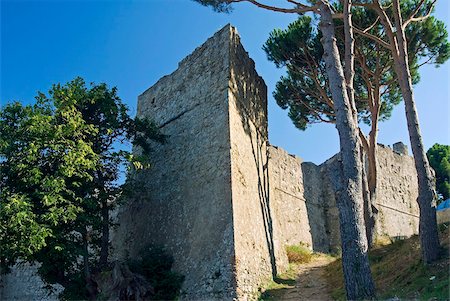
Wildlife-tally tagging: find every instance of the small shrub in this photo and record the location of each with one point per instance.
(155, 265)
(298, 254)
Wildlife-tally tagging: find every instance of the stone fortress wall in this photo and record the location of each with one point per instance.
(222, 200)
(309, 203)
(187, 205)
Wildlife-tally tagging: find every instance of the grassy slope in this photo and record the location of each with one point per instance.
(398, 271)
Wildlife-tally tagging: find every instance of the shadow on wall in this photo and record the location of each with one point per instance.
(316, 209)
(251, 102)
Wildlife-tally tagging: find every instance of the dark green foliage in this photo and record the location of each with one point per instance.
(439, 157)
(155, 265)
(428, 39)
(60, 164)
(75, 289)
(304, 89)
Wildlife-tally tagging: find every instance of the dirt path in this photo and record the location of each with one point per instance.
(310, 284)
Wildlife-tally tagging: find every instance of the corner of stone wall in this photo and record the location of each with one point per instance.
(254, 229)
(332, 227)
(186, 204)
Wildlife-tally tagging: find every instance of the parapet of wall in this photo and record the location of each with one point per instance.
(184, 200)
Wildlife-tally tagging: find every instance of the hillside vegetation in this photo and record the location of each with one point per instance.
(397, 270)
(399, 273)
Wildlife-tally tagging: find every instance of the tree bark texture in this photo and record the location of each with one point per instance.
(372, 203)
(428, 232)
(429, 239)
(90, 285)
(372, 172)
(349, 193)
(349, 71)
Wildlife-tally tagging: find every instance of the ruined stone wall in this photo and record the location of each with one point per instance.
(331, 210)
(298, 207)
(318, 207)
(185, 199)
(304, 204)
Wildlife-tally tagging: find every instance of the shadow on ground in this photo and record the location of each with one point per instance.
(303, 282)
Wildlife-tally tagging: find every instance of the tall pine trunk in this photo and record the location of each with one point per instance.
(369, 199)
(429, 239)
(428, 232)
(372, 173)
(355, 262)
(90, 285)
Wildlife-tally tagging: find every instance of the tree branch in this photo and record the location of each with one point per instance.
(388, 28)
(363, 139)
(314, 69)
(411, 18)
(298, 4)
(349, 56)
(373, 37)
(298, 10)
(371, 26)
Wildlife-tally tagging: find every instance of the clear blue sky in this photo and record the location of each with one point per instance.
(131, 44)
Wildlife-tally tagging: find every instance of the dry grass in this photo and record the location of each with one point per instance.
(398, 271)
(299, 254)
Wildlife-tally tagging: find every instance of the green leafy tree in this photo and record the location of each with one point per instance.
(439, 157)
(95, 190)
(42, 150)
